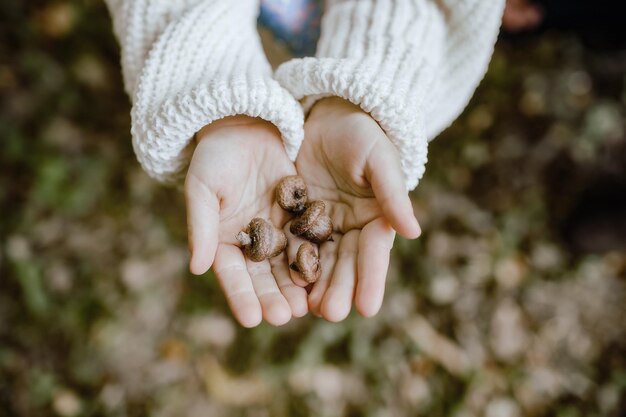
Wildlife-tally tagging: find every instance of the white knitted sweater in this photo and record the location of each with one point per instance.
(412, 64)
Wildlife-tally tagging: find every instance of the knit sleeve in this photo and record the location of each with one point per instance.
(412, 65)
(187, 63)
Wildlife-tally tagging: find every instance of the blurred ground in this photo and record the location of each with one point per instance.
(498, 310)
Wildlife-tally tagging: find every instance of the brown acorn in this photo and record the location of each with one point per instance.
(261, 240)
(307, 263)
(291, 194)
(313, 225)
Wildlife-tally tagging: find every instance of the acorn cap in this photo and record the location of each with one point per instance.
(262, 240)
(314, 225)
(307, 263)
(321, 231)
(306, 220)
(291, 194)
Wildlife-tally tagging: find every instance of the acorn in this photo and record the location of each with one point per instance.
(307, 263)
(291, 194)
(313, 225)
(261, 240)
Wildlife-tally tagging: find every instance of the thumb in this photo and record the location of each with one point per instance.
(202, 224)
(384, 173)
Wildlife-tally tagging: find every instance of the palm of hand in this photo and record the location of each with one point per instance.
(332, 164)
(231, 179)
(348, 162)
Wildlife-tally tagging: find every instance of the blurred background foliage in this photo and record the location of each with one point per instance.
(512, 303)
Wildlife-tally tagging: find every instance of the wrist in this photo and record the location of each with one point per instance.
(337, 108)
(240, 121)
(333, 106)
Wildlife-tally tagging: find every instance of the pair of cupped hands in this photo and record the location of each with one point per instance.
(346, 160)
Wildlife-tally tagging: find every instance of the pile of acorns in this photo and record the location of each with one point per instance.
(262, 240)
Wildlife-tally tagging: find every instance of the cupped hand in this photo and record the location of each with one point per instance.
(348, 161)
(233, 173)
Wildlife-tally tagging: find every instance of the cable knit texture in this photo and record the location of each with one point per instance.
(187, 63)
(412, 64)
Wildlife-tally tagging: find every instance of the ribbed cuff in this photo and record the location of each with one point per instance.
(358, 82)
(205, 64)
(162, 139)
(411, 64)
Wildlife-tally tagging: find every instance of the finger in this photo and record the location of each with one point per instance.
(293, 243)
(202, 223)
(296, 296)
(532, 15)
(384, 173)
(275, 308)
(328, 259)
(375, 243)
(232, 274)
(337, 301)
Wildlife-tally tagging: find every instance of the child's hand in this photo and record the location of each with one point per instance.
(348, 161)
(235, 167)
